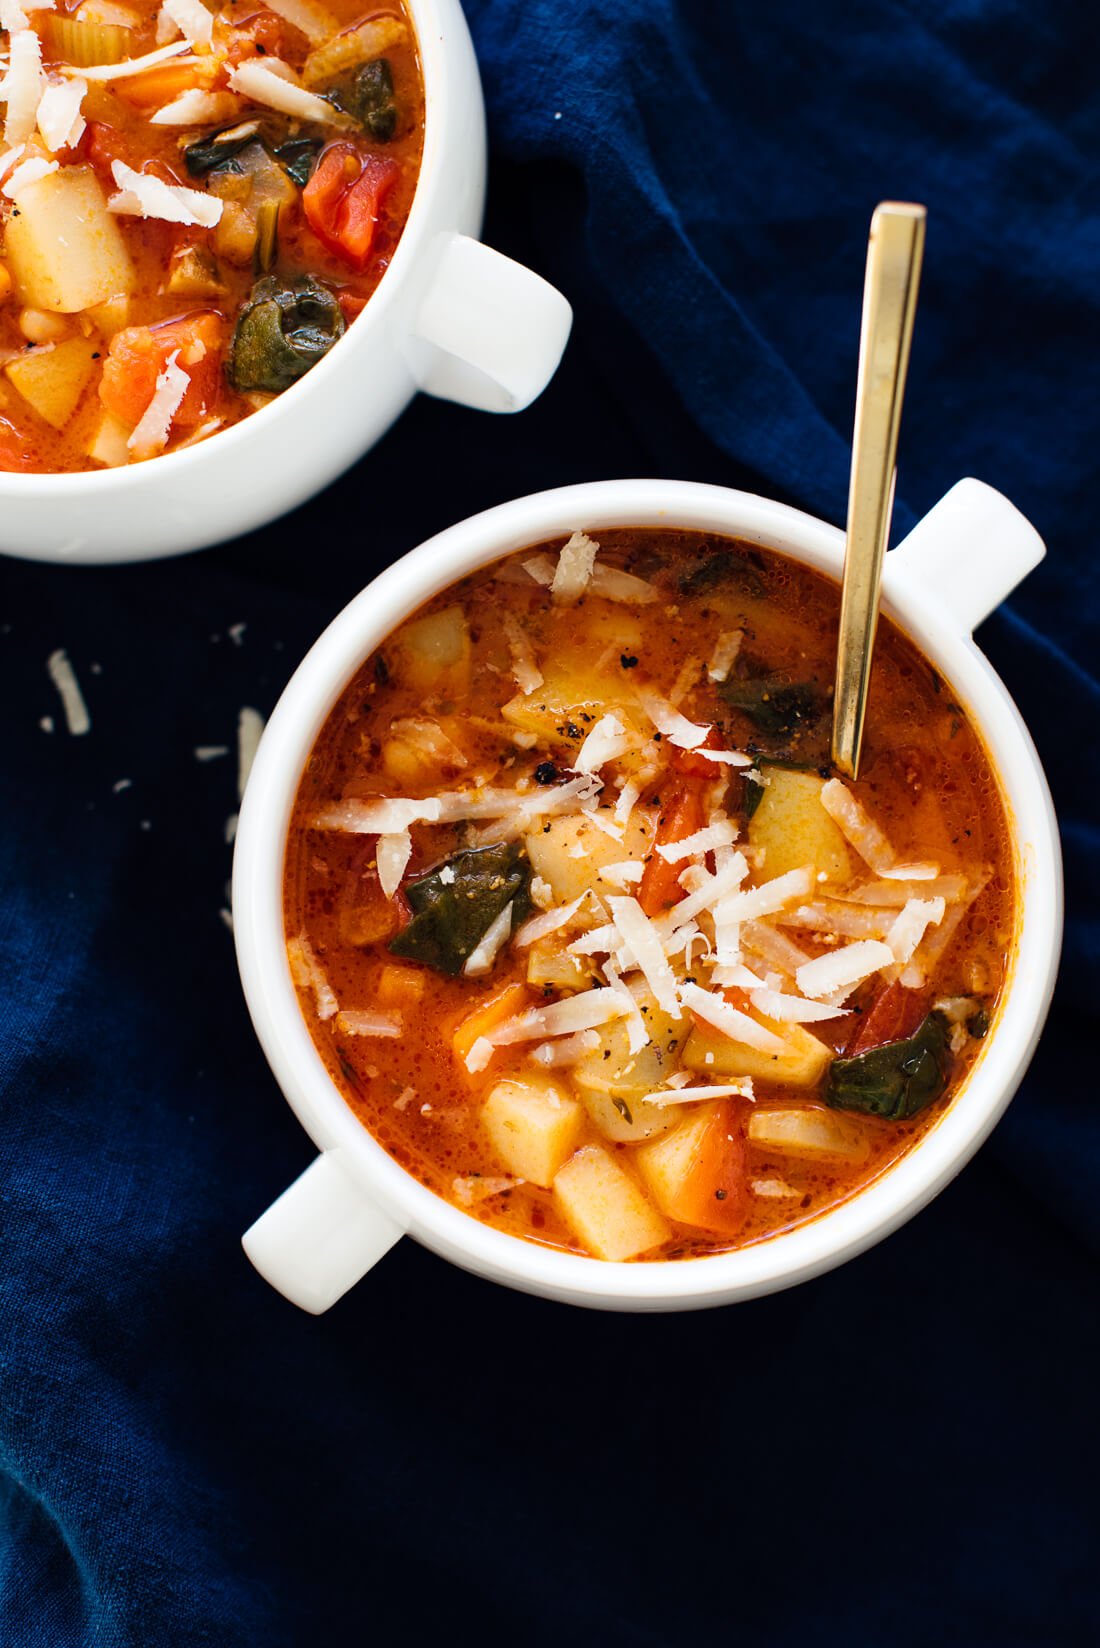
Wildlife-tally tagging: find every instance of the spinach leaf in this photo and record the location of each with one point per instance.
(897, 1080)
(780, 709)
(718, 567)
(298, 156)
(212, 155)
(451, 917)
(282, 330)
(752, 794)
(368, 98)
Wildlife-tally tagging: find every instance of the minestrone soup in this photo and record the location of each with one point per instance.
(588, 934)
(196, 200)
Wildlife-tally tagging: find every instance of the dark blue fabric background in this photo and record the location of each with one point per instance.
(902, 1452)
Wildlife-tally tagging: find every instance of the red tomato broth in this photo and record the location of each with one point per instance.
(926, 780)
(119, 129)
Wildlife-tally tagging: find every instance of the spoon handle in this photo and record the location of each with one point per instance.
(894, 254)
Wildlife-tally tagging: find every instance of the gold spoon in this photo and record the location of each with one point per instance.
(894, 252)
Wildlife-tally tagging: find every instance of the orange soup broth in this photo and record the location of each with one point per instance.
(925, 778)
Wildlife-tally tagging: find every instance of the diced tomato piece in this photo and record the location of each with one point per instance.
(14, 455)
(693, 763)
(101, 144)
(343, 198)
(262, 32)
(714, 1193)
(894, 1015)
(138, 355)
(681, 816)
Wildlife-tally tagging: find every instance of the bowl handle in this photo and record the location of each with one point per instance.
(320, 1237)
(966, 555)
(488, 333)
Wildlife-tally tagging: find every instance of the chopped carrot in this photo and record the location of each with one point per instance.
(160, 86)
(139, 354)
(504, 1005)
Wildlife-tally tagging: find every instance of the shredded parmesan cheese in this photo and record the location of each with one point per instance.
(250, 726)
(143, 195)
(197, 108)
(101, 72)
(548, 922)
(191, 18)
(721, 1015)
(722, 659)
(480, 960)
(671, 724)
(911, 925)
(574, 568)
(308, 974)
(856, 825)
(28, 172)
(354, 1023)
(527, 674)
(21, 87)
(151, 433)
(392, 857)
(60, 121)
(839, 970)
(719, 834)
(64, 679)
(696, 1095)
(792, 1009)
(607, 740)
(643, 942)
(615, 585)
(265, 82)
(554, 1055)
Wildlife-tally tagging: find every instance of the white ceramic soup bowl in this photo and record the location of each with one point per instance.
(449, 316)
(354, 1202)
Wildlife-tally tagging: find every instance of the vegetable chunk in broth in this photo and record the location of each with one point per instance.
(196, 200)
(592, 940)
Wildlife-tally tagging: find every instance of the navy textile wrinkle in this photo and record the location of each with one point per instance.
(900, 1453)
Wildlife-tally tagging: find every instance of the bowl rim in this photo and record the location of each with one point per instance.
(774, 1262)
(434, 46)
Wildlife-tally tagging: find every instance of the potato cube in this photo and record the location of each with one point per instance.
(533, 1126)
(435, 651)
(802, 1063)
(569, 852)
(605, 1209)
(794, 829)
(108, 443)
(53, 379)
(549, 963)
(806, 1130)
(64, 249)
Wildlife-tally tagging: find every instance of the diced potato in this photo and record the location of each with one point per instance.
(533, 1126)
(108, 444)
(809, 1131)
(567, 704)
(601, 624)
(417, 749)
(802, 1063)
(549, 963)
(110, 317)
(434, 652)
(614, 1080)
(53, 379)
(514, 998)
(624, 1118)
(64, 249)
(793, 827)
(570, 851)
(235, 235)
(696, 1174)
(605, 1209)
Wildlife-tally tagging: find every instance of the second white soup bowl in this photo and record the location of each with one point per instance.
(354, 1202)
(449, 316)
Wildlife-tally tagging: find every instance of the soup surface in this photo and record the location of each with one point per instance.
(589, 937)
(195, 203)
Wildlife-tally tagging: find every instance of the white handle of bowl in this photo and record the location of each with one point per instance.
(488, 333)
(966, 555)
(320, 1237)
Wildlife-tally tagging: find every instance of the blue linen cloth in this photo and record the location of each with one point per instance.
(900, 1452)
